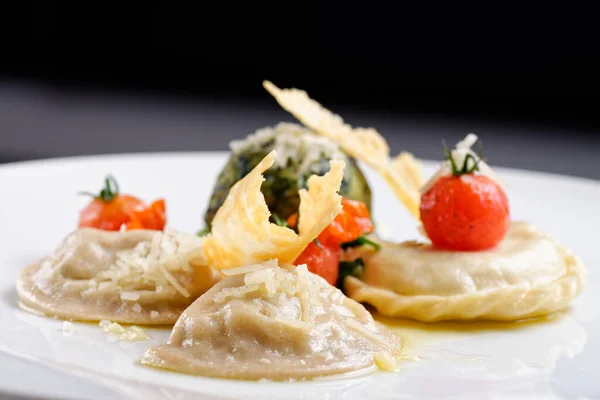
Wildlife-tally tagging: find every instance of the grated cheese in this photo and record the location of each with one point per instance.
(137, 308)
(68, 328)
(302, 272)
(134, 333)
(111, 327)
(131, 296)
(156, 261)
(385, 361)
(261, 276)
(154, 314)
(370, 335)
(294, 323)
(246, 269)
(293, 143)
(235, 292)
(174, 282)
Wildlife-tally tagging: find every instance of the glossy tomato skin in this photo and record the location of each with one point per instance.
(353, 221)
(322, 260)
(123, 210)
(465, 213)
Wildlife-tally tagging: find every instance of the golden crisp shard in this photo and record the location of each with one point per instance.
(403, 173)
(242, 234)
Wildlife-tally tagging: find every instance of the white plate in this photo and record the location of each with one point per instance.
(39, 206)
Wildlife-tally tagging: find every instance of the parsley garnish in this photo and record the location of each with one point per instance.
(279, 221)
(360, 241)
(349, 268)
(203, 232)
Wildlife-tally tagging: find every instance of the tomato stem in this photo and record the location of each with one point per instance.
(465, 168)
(108, 192)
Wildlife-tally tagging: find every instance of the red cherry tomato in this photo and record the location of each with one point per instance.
(111, 210)
(465, 213)
(352, 222)
(322, 260)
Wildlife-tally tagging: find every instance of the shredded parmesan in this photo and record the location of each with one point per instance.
(246, 269)
(235, 292)
(370, 335)
(67, 328)
(137, 308)
(174, 282)
(385, 361)
(158, 261)
(134, 333)
(154, 314)
(259, 277)
(293, 143)
(131, 296)
(294, 323)
(129, 334)
(302, 272)
(111, 327)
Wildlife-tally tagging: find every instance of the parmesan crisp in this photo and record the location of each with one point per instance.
(242, 233)
(402, 174)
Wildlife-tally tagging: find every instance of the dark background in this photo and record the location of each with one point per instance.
(104, 79)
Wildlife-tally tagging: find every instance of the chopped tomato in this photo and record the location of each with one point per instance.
(465, 213)
(322, 260)
(111, 211)
(353, 221)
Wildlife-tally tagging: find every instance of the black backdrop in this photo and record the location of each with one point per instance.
(534, 62)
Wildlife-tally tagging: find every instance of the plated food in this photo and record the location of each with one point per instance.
(276, 286)
(117, 265)
(268, 318)
(275, 323)
(476, 263)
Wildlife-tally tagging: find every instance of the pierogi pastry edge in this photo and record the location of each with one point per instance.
(534, 296)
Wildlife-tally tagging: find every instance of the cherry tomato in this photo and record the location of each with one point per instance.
(111, 210)
(465, 213)
(322, 260)
(353, 221)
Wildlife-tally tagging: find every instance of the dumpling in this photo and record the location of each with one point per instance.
(263, 321)
(528, 274)
(268, 322)
(137, 276)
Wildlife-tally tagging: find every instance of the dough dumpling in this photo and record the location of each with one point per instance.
(527, 275)
(268, 322)
(137, 277)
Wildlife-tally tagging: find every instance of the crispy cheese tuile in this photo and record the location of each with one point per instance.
(403, 173)
(242, 234)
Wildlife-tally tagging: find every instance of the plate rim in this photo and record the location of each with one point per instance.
(53, 161)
